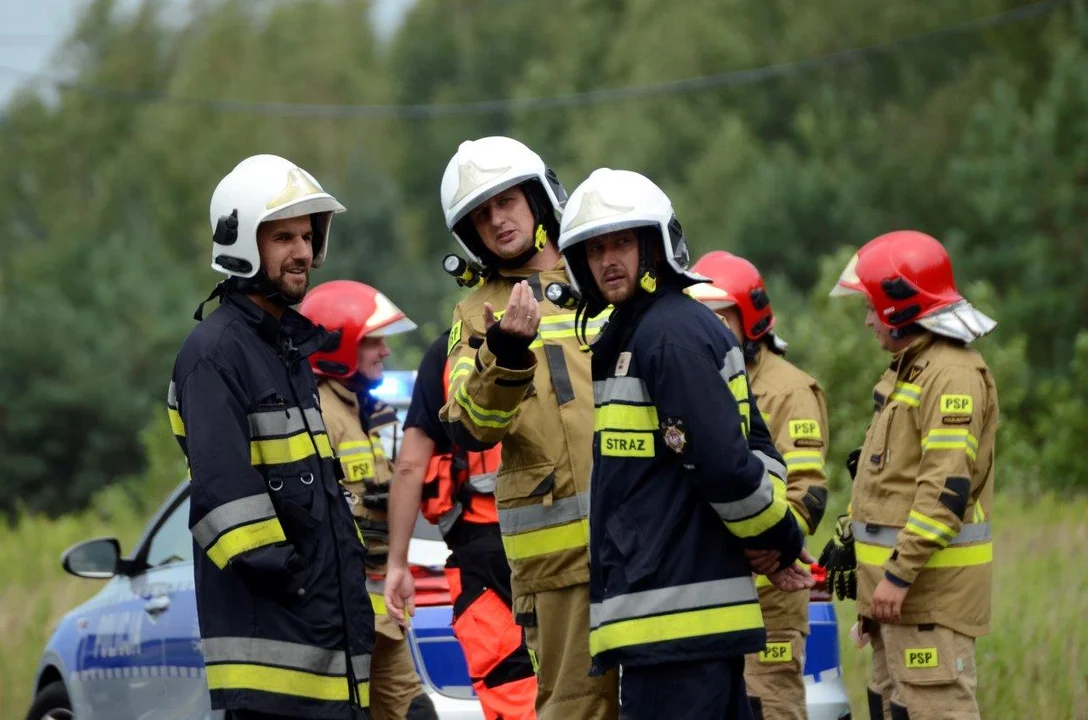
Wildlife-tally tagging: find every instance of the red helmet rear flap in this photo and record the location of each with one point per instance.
(734, 282)
(356, 311)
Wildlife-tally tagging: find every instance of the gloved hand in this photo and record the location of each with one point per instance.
(839, 561)
(376, 496)
(852, 462)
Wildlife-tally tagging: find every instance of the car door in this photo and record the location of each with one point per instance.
(170, 604)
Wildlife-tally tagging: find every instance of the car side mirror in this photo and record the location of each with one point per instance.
(98, 559)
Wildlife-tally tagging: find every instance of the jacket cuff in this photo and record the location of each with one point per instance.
(510, 351)
(894, 580)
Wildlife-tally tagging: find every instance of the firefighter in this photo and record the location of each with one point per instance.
(793, 405)
(518, 375)
(455, 490)
(347, 368)
(685, 478)
(285, 623)
(923, 488)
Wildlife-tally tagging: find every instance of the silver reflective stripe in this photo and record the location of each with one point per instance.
(377, 587)
(534, 517)
(361, 449)
(620, 389)
(172, 396)
(773, 466)
(236, 512)
(749, 506)
(283, 654)
(732, 364)
(276, 423)
(712, 593)
(448, 518)
(886, 536)
(484, 483)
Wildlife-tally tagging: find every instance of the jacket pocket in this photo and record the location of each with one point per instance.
(641, 553)
(877, 449)
(300, 505)
(519, 484)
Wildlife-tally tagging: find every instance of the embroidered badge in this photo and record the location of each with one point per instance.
(623, 364)
(674, 434)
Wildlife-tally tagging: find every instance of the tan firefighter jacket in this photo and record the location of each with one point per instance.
(924, 486)
(795, 409)
(543, 415)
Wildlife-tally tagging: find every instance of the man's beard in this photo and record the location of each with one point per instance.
(292, 296)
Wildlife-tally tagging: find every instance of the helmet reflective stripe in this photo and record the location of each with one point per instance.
(263, 188)
(481, 169)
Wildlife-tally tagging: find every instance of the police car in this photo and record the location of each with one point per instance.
(133, 650)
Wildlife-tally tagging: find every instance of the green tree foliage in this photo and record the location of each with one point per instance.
(974, 134)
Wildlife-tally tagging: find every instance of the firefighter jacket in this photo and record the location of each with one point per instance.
(794, 407)
(542, 412)
(285, 623)
(685, 478)
(924, 486)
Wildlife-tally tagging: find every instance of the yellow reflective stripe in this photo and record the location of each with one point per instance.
(798, 460)
(675, 626)
(907, 393)
(927, 527)
(290, 449)
(244, 676)
(176, 423)
(952, 439)
(950, 557)
(461, 368)
(247, 537)
(763, 581)
(767, 518)
(571, 536)
(352, 444)
(625, 417)
(480, 416)
(801, 520)
(980, 514)
(378, 602)
(739, 387)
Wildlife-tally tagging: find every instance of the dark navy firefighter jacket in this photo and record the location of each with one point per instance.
(285, 621)
(685, 477)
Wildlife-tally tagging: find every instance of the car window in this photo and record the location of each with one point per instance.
(172, 542)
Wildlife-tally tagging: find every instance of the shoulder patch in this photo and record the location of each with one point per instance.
(956, 405)
(956, 419)
(804, 430)
(674, 433)
(455, 337)
(623, 364)
(806, 443)
(914, 372)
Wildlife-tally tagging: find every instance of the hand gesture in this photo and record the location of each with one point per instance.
(522, 315)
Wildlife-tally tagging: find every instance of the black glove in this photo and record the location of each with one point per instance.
(376, 496)
(852, 462)
(840, 563)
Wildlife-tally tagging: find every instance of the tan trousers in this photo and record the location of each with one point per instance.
(925, 673)
(559, 645)
(776, 676)
(393, 678)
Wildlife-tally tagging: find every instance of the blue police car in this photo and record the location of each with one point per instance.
(133, 650)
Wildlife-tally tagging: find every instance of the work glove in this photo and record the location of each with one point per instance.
(839, 561)
(376, 496)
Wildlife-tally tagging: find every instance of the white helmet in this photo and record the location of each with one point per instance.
(259, 189)
(611, 200)
(481, 169)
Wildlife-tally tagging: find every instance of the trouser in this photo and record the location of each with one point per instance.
(483, 621)
(699, 690)
(396, 692)
(775, 677)
(921, 672)
(556, 626)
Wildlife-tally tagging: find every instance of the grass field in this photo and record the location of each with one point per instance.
(1034, 665)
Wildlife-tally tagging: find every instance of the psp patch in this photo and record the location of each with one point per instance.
(776, 652)
(675, 435)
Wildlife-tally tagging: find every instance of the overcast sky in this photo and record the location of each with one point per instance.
(31, 32)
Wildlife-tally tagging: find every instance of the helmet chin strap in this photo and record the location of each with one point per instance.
(647, 273)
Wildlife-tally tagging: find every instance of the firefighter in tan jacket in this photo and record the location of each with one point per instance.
(795, 409)
(923, 487)
(518, 375)
(364, 317)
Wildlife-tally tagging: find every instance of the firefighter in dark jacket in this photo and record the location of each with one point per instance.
(687, 495)
(285, 622)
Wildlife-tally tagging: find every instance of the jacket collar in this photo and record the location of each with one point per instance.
(912, 352)
(292, 333)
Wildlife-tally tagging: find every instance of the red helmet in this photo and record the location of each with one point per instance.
(734, 282)
(906, 275)
(355, 311)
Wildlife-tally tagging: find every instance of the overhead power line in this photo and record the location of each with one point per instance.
(684, 86)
